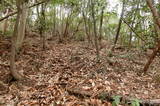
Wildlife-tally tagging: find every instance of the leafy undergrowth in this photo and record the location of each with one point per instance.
(73, 66)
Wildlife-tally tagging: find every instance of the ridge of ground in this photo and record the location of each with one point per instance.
(73, 65)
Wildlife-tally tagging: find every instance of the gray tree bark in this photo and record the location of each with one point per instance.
(95, 29)
(18, 35)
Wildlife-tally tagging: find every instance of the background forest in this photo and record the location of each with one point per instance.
(79, 52)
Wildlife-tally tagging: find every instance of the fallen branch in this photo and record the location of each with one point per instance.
(107, 96)
(15, 12)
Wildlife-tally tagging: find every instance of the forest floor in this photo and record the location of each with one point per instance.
(63, 69)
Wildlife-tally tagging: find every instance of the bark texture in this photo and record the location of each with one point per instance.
(18, 35)
(157, 21)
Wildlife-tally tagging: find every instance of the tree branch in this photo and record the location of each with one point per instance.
(15, 12)
(133, 30)
(156, 16)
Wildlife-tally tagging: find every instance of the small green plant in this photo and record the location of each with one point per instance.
(135, 102)
(110, 54)
(116, 101)
(103, 96)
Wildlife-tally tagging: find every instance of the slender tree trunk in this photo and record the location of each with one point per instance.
(62, 22)
(13, 70)
(157, 21)
(95, 29)
(23, 13)
(43, 25)
(37, 9)
(60, 31)
(66, 28)
(154, 12)
(100, 27)
(157, 32)
(54, 22)
(119, 25)
(77, 28)
(5, 24)
(89, 23)
(156, 29)
(67, 24)
(18, 35)
(132, 24)
(86, 28)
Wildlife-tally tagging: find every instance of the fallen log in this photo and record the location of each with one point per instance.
(108, 97)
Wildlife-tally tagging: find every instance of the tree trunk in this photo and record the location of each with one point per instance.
(18, 36)
(156, 28)
(15, 12)
(100, 27)
(95, 29)
(86, 29)
(154, 12)
(77, 28)
(153, 55)
(5, 24)
(67, 24)
(22, 7)
(54, 23)
(157, 21)
(37, 10)
(43, 25)
(132, 24)
(119, 25)
(60, 29)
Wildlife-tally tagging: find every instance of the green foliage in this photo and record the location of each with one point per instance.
(110, 54)
(116, 101)
(136, 13)
(80, 36)
(56, 2)
(135, 102)
(103, 96)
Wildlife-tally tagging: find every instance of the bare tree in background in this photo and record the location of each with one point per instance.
(119, 25)
(95, 29)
